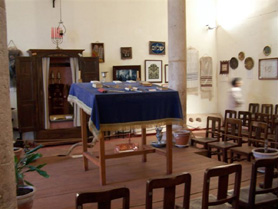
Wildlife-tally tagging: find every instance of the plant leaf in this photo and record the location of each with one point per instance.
(28, 183)
(34, 150)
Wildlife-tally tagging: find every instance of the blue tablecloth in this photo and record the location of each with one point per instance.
(116, 110)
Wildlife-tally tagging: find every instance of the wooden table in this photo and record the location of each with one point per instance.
(169, 112)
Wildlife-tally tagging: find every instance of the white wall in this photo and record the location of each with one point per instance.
(248, 26)
(133, 23)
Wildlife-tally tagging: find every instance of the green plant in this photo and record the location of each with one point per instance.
(24, 165)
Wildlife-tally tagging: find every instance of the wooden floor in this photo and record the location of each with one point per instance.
(67, 176)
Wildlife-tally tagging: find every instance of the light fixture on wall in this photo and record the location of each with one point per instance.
(57, 33)
(209, 27)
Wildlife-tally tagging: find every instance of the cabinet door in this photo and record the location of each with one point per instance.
(26, 94)
(89, 68)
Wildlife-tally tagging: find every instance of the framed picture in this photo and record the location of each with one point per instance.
(98, 51)
(153, 71)
(268, 69)
(156, 47)
(166, 73)
(224, 67)
(127, 72)
(126, 53)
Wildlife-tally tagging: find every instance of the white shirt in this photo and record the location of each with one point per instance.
(235, 99)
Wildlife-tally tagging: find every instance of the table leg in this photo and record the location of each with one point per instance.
(143, 138)
(169, 144)
(102, 169)
(84, 135)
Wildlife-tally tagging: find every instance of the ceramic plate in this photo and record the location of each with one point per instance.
(267, 50)
(249, 63)
(234, 63)
(241, 56)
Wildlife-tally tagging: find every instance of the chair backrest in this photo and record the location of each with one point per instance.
(213, 127)
(245, 117)
(222, 172)
(258, 133)
(229, 114)
(233, 127)
(254, 108)
(269, 165)
(276, 109)
(262, 117)
(103, 198)
(169, 184)
(267, 108)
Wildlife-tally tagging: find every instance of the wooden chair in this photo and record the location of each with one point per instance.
(255, 197)
(228, 114)
(267, 109)
(212, 132)
(276, 109)
(232, 132)
(246, 118)
(223, 173)
(253, 109)
(103, 198)
(258, 132)
(169, 184)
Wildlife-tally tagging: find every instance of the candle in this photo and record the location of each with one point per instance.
(52, 32)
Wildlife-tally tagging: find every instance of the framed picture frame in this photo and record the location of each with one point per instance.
(153, 71)
(224, 67)
(98, 51)
(127, 72)
(268, 69)
(166, 73)
(126, 53)
(157, 47)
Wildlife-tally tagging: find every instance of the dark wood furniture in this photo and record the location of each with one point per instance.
(258, 133)
(255, 197)
(228, 114)
(169, 184)
(212, 132)
(267, 109)
(246, 118)
(103, 198)
(276, 109)
(223, 173)
(30, 95)
(232, 132)
(253, 108)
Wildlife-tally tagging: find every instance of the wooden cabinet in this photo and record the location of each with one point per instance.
(30, 94)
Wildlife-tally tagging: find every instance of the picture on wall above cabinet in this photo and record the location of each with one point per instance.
(224, 67)
(233, 63)
(166, 73)
(267, 50)
(249, 63)
(98, 51)
(156, 47)
(241, 56)
(153, 71)
(126, 53)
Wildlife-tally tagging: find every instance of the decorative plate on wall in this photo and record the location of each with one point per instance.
(234, 63)
(241, 56)
(267, 50)
(249, 63)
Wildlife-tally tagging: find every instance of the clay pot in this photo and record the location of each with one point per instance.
(181, 137)
(25, 201)
(18, 152)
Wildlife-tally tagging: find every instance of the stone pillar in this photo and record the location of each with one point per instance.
(177, 49)
(7, 175)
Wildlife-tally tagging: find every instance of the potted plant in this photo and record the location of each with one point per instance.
(265, 152)
(25, 190)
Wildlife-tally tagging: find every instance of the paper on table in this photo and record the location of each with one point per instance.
(130, 81)
(94, 81)
(117, 81)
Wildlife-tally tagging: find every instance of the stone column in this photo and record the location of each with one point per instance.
(177, 49)
(7, 176)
